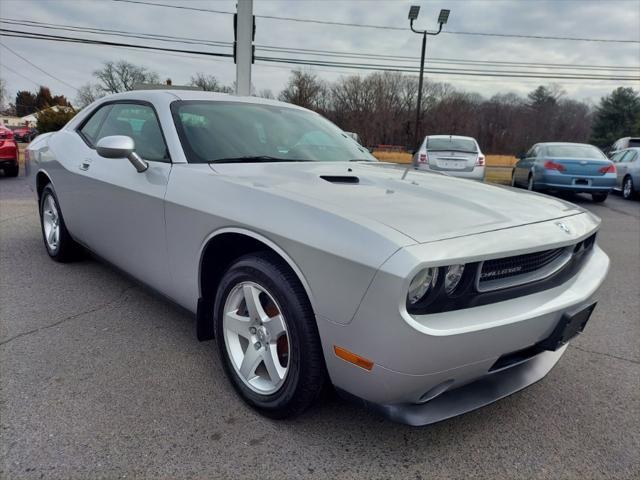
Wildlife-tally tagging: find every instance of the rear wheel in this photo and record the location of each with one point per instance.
(267, 336)
(627, 188)
(57, 240)
(599, 197)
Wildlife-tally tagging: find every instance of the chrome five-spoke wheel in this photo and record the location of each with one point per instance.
(256, 337)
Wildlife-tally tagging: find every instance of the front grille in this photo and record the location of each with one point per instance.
(501, 268)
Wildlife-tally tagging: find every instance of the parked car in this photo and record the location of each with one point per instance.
(628, 171)
(311, 262)
(623, 143)
(8, 153)
(572, 167)
(24, 134)
(451, 154)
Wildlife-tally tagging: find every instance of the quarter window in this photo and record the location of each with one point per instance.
(92, 127)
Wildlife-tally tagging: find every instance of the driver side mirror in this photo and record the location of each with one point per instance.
(121, 146)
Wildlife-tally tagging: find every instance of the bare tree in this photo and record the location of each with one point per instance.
(209, 83)
(87, 94)
(122, 76)
(266, 93)
(306, 90)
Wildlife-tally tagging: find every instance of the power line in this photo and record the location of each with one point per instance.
(19, 74)
(304, 51)
(383, 27)
(37, 67)
(296, 61)
(314, 52)
(119, 33)
(451, 71)
(40, 36)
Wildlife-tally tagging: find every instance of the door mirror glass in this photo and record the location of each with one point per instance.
(115, 146)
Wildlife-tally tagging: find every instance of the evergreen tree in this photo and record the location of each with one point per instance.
(617, 116)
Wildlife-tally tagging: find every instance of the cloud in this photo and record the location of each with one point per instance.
(75, 63)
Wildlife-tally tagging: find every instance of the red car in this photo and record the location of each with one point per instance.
(8, 152)
(23, 134)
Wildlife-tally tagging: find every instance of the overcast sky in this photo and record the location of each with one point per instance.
(74, 63)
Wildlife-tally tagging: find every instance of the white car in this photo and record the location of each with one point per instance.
(310, 262)
(451, 154)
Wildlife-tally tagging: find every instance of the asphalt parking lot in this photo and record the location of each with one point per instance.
(101, 379)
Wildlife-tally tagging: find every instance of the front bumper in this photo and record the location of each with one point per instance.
(419, 359)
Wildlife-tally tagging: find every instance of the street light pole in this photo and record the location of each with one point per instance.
(442, 19)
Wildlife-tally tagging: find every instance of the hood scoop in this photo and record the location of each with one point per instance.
(340, 178)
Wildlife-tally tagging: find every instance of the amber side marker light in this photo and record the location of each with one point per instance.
(351, 357)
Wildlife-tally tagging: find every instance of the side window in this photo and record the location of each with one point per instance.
(617, 157)
(634, 157)
(629, 157)
(91, 128)
(140, 123)
(535, 152)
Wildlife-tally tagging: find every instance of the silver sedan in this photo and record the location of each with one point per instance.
(311, 263)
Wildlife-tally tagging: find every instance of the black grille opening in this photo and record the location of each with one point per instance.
(501, 268)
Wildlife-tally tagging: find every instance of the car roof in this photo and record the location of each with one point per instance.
(177, 94)
(565, 143)
(451, 136)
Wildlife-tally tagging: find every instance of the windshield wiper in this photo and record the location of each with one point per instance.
(255, 159)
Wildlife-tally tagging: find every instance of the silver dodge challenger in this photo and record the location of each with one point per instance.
(310, 263)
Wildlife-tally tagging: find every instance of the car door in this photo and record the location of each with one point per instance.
(622, 168)
(616, 158)
(121, 211)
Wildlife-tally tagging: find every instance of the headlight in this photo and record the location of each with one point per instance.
(452, 278)
(424, 281)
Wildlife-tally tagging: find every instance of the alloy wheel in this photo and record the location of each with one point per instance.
(256, 338)
(627, 188)
(51, 223)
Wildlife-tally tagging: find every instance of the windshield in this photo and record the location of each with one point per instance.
(574, 151)
(451, 143)
(213, 131)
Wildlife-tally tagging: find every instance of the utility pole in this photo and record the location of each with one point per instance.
(244, 29)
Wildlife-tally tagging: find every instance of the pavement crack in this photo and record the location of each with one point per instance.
(582, 349)
(70, 317)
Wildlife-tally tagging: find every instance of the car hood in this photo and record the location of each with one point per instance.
(423, 206)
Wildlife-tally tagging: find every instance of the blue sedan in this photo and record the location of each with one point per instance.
(573, 167)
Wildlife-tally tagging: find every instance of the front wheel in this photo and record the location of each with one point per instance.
(57, 240)
(627, 188)
(599, 197)
(267, 336)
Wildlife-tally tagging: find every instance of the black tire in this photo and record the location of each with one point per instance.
(531, 185)
(67, 250)
(628, 188)
(514, 184)
(599, 197)
(12, 171)
(306, 373)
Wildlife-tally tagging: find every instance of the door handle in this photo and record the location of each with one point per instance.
(85, 164)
